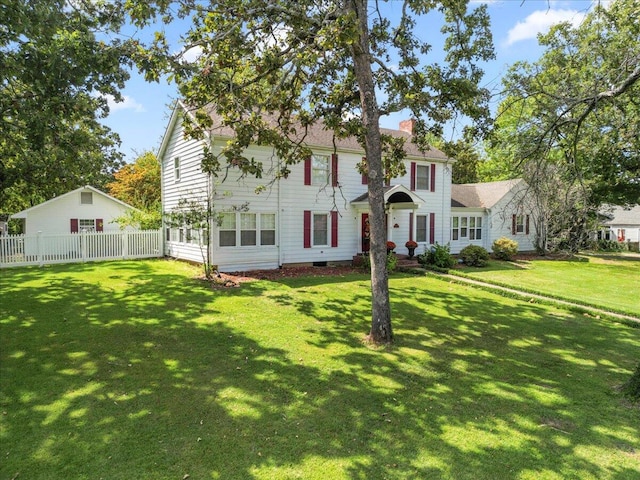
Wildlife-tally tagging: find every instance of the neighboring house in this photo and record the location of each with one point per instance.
(484, 212)
(317, 215)
(83, 209)
(620, 224)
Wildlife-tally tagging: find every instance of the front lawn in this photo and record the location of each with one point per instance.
(609, 281)
(135, 370)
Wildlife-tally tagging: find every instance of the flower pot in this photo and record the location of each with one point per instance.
(412, 251)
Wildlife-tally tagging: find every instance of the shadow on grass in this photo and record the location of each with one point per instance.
(143, 373)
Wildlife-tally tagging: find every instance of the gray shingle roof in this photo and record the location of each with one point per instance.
(480, 195)
(318, 135)
(622, 216)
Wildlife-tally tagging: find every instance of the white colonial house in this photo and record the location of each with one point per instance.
(317, 215)
(483, 212)
(83, 209)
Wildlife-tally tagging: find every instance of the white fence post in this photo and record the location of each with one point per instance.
(39, 248)
(125, 244)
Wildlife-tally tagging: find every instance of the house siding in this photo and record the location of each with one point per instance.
(55, 216)
(289, 198)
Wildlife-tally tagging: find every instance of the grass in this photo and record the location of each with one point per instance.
(608, 281)
(135, 370)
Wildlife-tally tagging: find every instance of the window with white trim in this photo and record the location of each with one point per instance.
(176, 169)
(320, 229)
(320, 165)
(247, 229)
(422, 177)
(228, 230)
(421, 228)
(475, 228)
(455, 228)
(267, 229)
(86, 225)
(86, 198)
(520, 223)
(466, 227)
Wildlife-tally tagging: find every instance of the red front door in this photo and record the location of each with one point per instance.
(365, 232)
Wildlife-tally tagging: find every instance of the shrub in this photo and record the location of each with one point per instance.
(474, 256)
(392, 261)
(504, 248)
(437, 258)
(609, 246)
(631, 387)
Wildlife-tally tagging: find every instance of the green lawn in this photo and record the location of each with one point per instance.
(609, 281)
(133, 370)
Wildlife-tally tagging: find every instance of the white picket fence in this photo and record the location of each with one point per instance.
(42, 249)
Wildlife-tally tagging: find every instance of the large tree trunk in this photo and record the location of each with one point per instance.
(380, 308)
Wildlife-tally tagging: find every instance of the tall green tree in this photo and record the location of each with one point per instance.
(271, 69)
(138, 184)
(54, 75)
(578, 106)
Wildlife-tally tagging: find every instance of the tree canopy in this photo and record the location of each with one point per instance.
(138, 184)
(578, 106)
(55, 72)
(271, 69)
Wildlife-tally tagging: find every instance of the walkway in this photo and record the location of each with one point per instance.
(405, 262)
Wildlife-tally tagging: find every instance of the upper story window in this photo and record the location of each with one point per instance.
(86, 198)
(320, 169)
(176, 169)
(422, 177)
(520, 220)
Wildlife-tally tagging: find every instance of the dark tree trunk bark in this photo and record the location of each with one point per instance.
(380, 307)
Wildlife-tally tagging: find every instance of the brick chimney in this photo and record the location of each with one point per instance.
(407, 125)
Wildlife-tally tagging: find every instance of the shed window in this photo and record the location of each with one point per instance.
(86, 198)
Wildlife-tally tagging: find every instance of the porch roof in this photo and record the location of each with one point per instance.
(398, 196)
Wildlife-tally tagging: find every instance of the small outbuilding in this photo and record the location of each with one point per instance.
(85, 209)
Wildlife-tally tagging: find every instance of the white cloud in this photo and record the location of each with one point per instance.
(541, 21)
(128, 103)
(191, 55)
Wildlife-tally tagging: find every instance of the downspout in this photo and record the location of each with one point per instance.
(279, 220)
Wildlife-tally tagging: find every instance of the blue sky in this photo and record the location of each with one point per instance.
(142, 118)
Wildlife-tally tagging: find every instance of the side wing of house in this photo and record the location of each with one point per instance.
(513, 217)
(469, 226)
(182, 180)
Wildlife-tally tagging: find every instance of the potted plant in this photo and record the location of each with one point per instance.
(390, 246)
(411, 246)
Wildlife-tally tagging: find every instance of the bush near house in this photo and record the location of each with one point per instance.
(474, 256)
(504, 248)
(437, 258)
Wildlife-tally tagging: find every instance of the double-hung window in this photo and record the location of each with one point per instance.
(228, 230)
(422, 177)
(475, 228)
(176, 169)
(520, 223)
(421, 228)
(320, 229)
(267, 229)
(248, 229)
(320, 169)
